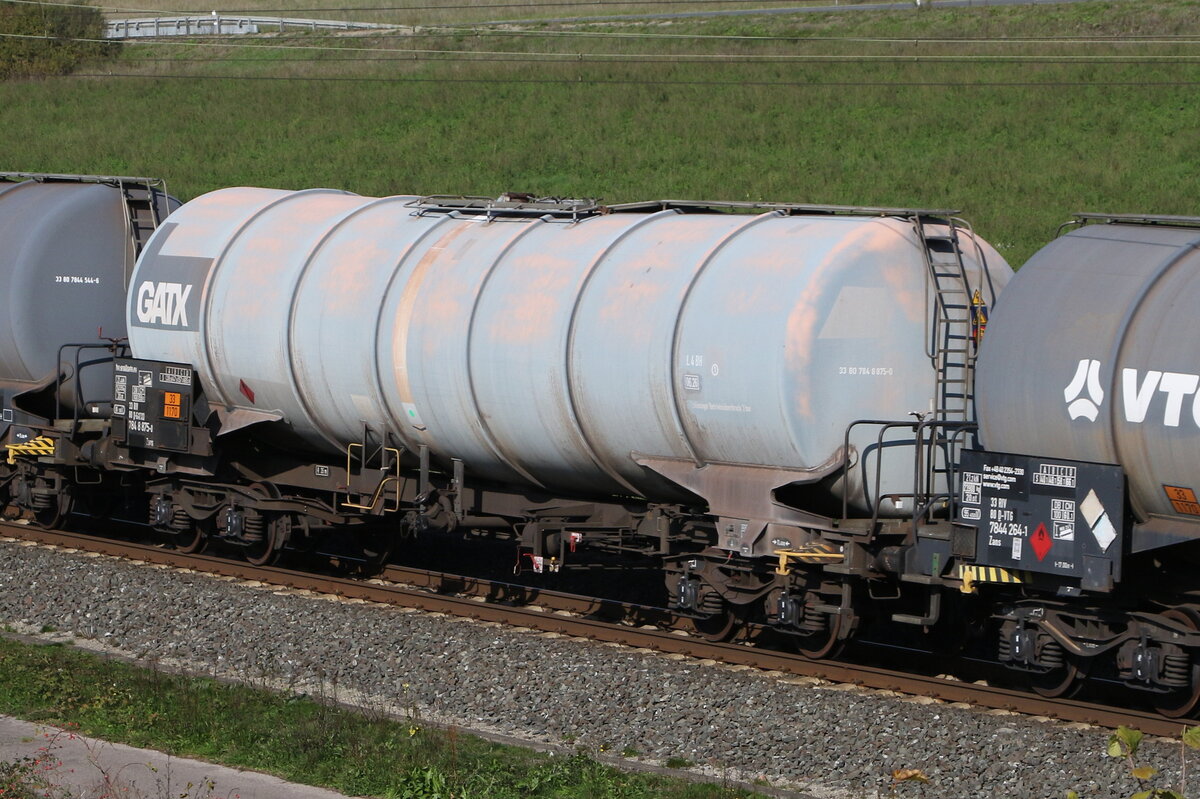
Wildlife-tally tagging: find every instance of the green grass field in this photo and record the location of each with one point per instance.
(958, 108)
(292, 736)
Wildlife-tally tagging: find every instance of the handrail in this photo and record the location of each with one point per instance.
(394, 478)
(922, 495)
(111, 347)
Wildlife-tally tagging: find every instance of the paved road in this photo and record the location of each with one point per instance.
(83, 765)
(907, 5)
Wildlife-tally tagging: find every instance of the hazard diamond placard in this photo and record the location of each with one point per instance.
(1041, 542)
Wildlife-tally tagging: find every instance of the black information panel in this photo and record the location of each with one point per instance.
(1043, 515)
(152, 404)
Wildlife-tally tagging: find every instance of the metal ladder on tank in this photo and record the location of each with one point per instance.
(951, 350)
(141, 215)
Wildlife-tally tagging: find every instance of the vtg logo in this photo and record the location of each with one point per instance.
(163, 303)
(1084, 395)
(1087, 376)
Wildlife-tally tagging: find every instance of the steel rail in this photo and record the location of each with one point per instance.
(548, 616)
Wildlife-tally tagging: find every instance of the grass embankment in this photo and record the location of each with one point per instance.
(297, 738)
(956, 108)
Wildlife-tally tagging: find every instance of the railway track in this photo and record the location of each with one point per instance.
(599, 620)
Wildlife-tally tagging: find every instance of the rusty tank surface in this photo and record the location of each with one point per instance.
(641, 350)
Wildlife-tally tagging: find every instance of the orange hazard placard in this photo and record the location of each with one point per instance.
(1183, 500)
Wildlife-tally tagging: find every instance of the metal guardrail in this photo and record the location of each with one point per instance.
(222, 25)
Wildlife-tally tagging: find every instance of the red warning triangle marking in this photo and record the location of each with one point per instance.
(1041, 542)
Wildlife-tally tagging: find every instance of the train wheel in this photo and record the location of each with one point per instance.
(193, 540)
(718, 627)
(1061, 682)
(60, 507)
(6, 497)
(1182, 702)
(276, 532)
(376, 550)
(822, 644)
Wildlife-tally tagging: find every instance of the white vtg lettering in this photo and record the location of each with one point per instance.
(1138, 393)
(163, 303)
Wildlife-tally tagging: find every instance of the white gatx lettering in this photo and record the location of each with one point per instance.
(163, 303)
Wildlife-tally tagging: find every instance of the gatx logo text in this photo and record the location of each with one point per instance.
(163, 303)
(1084, 395)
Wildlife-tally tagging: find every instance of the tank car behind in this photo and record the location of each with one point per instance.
(68, 244)
(1086, 492)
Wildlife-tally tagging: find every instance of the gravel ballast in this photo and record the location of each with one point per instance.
(825, 740)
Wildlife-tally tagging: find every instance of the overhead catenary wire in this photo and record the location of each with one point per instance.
(636, 58)
(584, 80)
(486, 30)
(376, 9)
(492, 55)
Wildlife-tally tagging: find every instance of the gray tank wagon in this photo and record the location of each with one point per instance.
(68, 244)
(1090, 456)
(663, 353)
(1111, 311)
(747, 392)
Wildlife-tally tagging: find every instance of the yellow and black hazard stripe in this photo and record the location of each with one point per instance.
(815, 553)
(970, 575)
(42, 445)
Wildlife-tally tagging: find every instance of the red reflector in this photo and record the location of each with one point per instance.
(245, 389)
